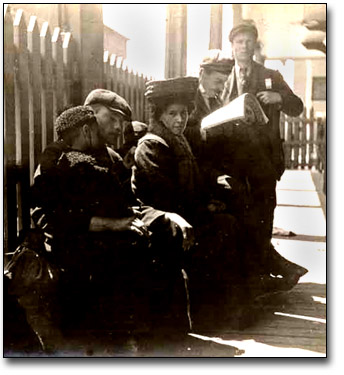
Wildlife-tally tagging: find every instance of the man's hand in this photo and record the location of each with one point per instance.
(187, 230)
(132, 223)
(269, 97)
(224, 181)
(136, 225)
(232, 184)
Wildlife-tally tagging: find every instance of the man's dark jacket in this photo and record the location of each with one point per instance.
(260, 80)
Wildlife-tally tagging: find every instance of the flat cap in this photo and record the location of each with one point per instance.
(216, 61)
(174, 88)
(73, 118)
(246, 26)
(111, 100)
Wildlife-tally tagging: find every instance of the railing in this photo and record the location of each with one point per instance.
(305, 141)
(130, 85)
(126, 83)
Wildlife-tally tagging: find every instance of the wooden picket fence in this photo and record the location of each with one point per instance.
(127, 83)
(305, 141)
(41, 78)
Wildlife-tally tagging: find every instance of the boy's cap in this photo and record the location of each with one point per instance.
(217, 61)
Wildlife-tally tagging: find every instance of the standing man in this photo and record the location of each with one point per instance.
(267, 85)
(214, 71)
(267, 167)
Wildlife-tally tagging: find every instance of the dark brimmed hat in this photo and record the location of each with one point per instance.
(246, 26)
(73, 118)
(183, 88)
(111, 100)
(216, 61)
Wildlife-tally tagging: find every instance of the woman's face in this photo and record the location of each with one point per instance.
(175, 117)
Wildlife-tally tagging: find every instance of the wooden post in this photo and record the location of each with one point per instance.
(68, 65)
(120, 89)
(126, 89)
(35, 117)
(10, 205)
(215, 41)
(47, 86)
(237, 13)
(85, 22)
(113, 71)
(324, 158)
(176, 40)
(107, 75)
(58, 80)
(311, 146)
(286, 145)
(22, 121)
(303, 140)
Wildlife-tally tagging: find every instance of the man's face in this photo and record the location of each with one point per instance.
(243, 47)
(110, 124)
(89, 137)
(212, 82)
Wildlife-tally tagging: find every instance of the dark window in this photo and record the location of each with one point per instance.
(319, 88)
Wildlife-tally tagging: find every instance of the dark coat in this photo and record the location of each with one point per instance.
(165, 175)
(291, 105)
(192, 131)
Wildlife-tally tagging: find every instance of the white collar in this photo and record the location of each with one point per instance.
(237, 69)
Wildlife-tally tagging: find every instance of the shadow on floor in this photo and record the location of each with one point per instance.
(294, 319)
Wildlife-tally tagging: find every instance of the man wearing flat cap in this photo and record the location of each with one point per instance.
(214, 71)
(112, 112)
(114, 117)
(264, 157)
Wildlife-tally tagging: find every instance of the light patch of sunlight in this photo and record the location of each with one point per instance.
(297, 198)
(296, 180)
(251, 348)
(308, 221)
(309, 254)
(302, 317)
(319, 299)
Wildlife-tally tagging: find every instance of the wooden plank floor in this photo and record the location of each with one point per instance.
(291, 324)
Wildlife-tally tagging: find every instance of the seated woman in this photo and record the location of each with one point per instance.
(166, 177)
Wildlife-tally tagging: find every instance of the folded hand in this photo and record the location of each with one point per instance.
(187, 230)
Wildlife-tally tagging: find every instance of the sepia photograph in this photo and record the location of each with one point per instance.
(164, 180)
